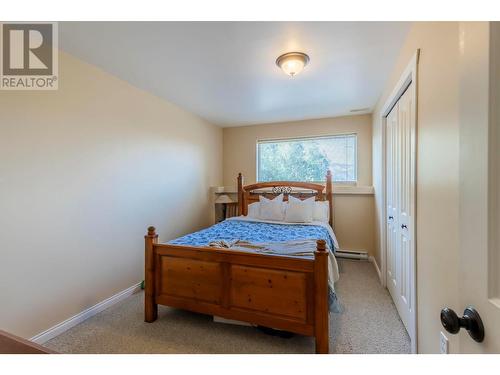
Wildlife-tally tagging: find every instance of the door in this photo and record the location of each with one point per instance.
(479, 274)
(400, 131)
(392, 203)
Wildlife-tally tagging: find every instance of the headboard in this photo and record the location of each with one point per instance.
(250, 193)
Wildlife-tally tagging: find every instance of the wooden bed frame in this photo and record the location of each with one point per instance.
(281, 292)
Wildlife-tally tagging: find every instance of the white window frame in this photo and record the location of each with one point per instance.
(307, 138)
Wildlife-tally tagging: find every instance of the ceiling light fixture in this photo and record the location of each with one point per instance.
(292, 63)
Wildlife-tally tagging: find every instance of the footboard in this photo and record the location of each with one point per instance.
(280, 292)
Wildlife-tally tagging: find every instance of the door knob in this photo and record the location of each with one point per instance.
(403, 226)
(391, 217)
(471, 321)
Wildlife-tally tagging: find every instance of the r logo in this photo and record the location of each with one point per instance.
(29, 56)
(27, 49)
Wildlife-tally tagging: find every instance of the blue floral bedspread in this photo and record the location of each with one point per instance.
(254, 232)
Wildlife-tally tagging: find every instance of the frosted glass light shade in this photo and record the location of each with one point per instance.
(292, 63)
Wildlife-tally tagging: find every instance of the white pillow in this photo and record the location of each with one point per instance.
(321, 211)
(253, 210)
(271, 209)
(299, 211)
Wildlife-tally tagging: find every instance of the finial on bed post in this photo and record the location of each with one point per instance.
(150, 305)
(240, 195)
(321, 245)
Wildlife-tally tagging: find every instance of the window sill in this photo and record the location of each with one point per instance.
(353, 190)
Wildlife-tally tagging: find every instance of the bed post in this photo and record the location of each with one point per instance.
(321, 314)
(240, 195)
(329, 195)
(150, 306)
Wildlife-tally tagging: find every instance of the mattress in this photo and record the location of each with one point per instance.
(253, 230)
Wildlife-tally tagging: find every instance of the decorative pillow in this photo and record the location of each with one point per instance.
(321, 211)
(271, 209)
(299, 211)
(253, 210)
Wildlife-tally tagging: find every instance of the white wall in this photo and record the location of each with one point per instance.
(437, 172)
(83, 171)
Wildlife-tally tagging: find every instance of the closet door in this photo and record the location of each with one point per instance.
(400, 211)
(405, 209)
(392, 199)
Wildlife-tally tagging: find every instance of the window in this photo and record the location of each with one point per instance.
(308, 159)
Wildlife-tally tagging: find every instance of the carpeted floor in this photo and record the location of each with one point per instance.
(369, 323)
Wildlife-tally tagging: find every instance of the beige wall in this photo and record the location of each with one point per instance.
(437, 172)
(354, 214)
(84, 170)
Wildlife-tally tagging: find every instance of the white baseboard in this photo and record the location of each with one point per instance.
(84, 315)
(372, 259)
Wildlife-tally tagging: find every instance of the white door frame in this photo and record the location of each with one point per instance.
(408, 77)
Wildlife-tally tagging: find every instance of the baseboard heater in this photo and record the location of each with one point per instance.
(352, 254)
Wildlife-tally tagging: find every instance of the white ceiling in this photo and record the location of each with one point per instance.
(225, 71)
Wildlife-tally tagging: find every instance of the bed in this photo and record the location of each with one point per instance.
(277, 289)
